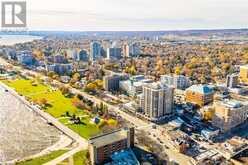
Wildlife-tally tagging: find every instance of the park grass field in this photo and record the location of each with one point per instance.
(80, 157)
(43, 159)
(86, 129)
(58, 105)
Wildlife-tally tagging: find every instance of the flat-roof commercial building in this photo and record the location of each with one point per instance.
(199, 95)
(176, 81)
(124, 157)
(234, 146)
(102, 147)
(134, 85)
(229, 114)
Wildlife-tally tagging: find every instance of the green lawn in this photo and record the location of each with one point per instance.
(86, 130)
(80, 158)
(59, 104)
(43, 159)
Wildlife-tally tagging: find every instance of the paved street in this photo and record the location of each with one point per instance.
(138, 123)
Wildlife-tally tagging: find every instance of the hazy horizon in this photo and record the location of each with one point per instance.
(135, 15)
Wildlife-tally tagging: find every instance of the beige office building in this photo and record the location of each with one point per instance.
(229, 114)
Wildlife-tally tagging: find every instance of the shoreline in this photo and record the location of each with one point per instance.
(11, 40)
(63, 141)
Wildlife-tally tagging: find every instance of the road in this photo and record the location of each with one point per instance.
(134, 120)
(138, 123)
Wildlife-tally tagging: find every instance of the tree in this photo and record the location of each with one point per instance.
(76, 76)
(67, 113)
(73, 117)
(177, 70)
(50, 74)
(91, 87)
(99, 84)
(42, 102)
(78, 103)
(80, 97)
(64, 90)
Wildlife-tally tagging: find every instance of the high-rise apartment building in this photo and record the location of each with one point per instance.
(232, 81)
(95, 51)
(134, 49)
(114, 53)
(157, 101)
(125, 50)
(83, 56)
(111, 82)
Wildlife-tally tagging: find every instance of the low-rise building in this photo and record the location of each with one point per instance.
(124, 157)
(102, 147)
(199, 95)
(210, 134)
(60, 69)
(65, 79)
(134, 85)
(176, 81)
(229, 114)
(234, 146)
(179, 140)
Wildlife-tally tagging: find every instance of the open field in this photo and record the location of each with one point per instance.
(43, 159)
(58, 105)
(86, 129)
(80, 158)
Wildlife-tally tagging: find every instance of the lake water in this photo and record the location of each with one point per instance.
(14, 39)
(22, 132)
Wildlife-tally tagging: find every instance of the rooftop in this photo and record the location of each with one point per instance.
(138, 77)
(203, 89)
(244, 66)
(156, 85)
(233, 103)
(124, 157)
(109, 138)
(236, 144)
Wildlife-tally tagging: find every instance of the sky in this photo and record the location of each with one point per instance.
(136, 15)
